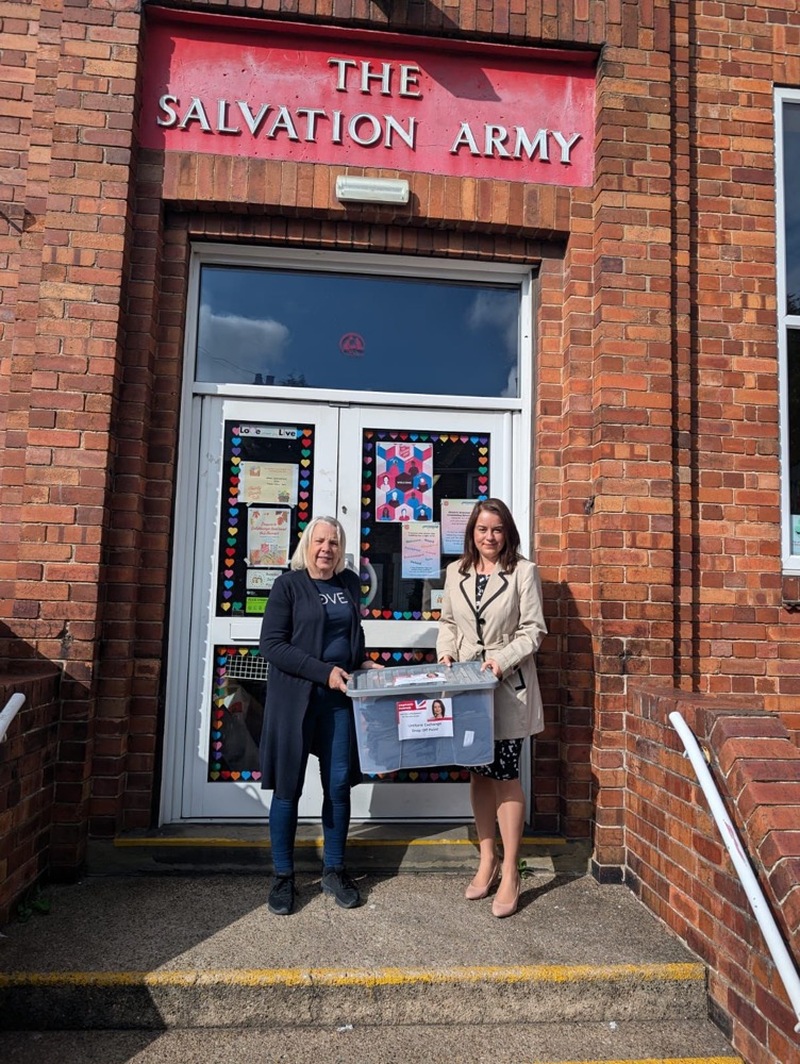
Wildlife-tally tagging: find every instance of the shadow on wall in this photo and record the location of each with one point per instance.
(28, 774)
(563, 794)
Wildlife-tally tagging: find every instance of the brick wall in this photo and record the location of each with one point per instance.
(69, 126)
(28, 760)
(656, 442)
(678, 863)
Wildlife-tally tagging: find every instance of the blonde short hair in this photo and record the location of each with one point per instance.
(300, 556)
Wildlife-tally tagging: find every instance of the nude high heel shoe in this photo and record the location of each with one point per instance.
(503, 909)
(475, 893)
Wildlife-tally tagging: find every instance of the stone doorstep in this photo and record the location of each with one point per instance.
(174, 998)
(344, 1043)
(386, 848)
(194, 952)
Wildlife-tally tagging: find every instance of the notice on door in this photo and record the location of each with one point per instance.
(268, 537)
(268, 482)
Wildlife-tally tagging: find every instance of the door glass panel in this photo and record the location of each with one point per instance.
(357, 332)
(266, 503)
(239, 689)
(418, 489)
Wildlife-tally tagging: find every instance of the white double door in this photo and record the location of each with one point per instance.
(258, 472)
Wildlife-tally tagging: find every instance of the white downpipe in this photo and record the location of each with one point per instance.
(10, 710)
(758, 903)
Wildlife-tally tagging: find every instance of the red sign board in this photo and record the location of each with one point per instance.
(247, 87)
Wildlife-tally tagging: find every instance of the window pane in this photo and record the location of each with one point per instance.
(793, 375)
(791, 167)
(357, 332)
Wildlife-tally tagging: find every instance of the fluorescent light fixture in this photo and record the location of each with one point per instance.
(371, 189)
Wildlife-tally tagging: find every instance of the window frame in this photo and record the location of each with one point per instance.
(309, 259)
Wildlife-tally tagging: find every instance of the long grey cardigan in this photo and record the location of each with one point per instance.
(508, 626)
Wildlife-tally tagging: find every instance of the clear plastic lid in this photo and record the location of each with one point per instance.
(461, 676)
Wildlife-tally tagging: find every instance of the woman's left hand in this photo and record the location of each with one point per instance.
(371, 665)
(492, 665)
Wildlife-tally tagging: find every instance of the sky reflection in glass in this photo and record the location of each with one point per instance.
(357, 332)
(791, 168)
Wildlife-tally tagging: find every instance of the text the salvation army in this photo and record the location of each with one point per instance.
(362, 127)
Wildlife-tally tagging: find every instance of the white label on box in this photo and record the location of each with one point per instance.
(469, 738)
(425, 718)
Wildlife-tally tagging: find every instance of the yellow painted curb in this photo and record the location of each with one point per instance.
(289, 977)
(661, 1060)
(316, 842)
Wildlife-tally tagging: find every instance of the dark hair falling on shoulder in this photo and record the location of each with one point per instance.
(510, 554)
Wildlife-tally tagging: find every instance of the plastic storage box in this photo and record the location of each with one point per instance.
(423, 715)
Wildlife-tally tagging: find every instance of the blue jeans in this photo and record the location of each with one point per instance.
(327, 728)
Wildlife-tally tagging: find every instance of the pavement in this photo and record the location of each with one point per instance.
(189, 965)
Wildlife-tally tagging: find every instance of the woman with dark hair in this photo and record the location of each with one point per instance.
(492, 612)
(437, 709)
(312, 637)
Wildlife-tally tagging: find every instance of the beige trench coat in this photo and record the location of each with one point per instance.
(508, 626)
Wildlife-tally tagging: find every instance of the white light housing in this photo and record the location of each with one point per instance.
(371, 190)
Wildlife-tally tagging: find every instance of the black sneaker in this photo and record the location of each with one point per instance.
(281, 896)
(336, 881)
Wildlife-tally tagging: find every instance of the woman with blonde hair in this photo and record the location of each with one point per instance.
(312, 638)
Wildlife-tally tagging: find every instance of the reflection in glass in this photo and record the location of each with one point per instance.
(357, 332)
(793, 374)
(791, 167)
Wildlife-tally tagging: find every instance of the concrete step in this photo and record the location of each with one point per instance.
(371, 847)
(366, 996)
(542, 1043)
(203, 952)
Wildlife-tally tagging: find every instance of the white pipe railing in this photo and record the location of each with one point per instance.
(758, 903)
(9, 711)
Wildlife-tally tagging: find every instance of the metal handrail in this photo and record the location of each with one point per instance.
(9, 711)
(758, 903)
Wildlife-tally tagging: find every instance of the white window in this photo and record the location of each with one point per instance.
(787, 129)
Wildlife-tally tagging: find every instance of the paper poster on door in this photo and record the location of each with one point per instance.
(268, 537)
(455, 514)
(266, 483)
(425, 718)
(421, 559)
(404, 481)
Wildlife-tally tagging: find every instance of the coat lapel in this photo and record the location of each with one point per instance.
(496, 586)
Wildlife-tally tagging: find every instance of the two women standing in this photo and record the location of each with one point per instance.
(312, 639)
